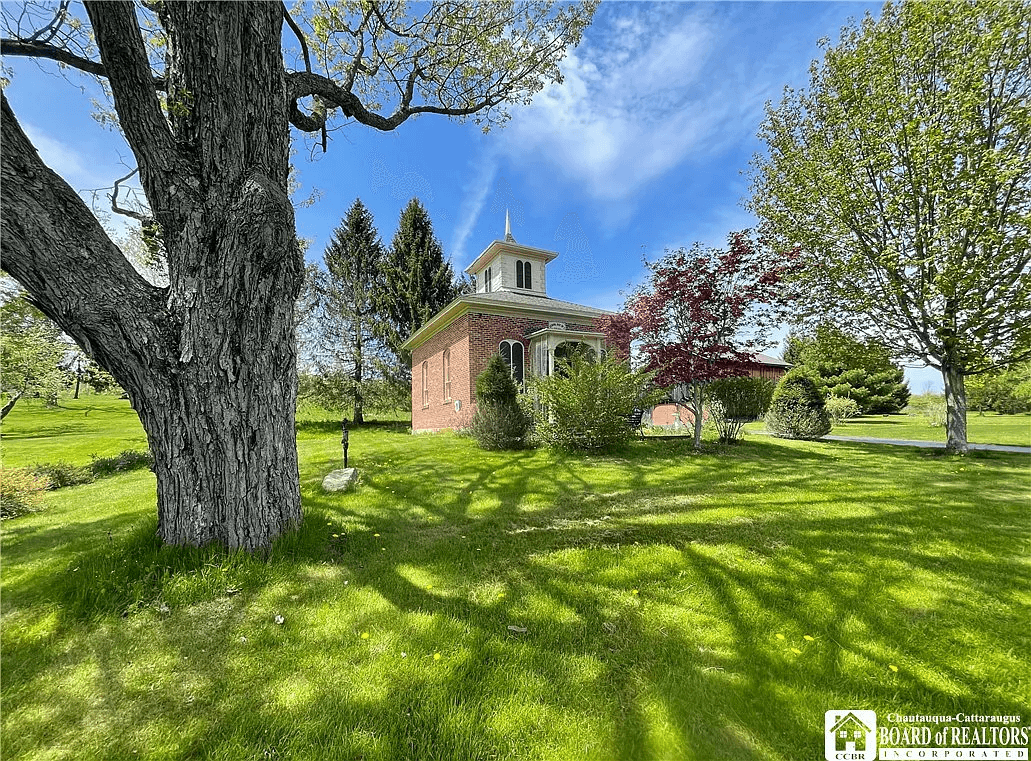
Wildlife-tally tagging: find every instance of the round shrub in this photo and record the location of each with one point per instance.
(797, 410)
(736, 401)
(841, 409)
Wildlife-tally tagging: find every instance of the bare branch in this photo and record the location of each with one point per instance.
(121, 210)
(24, 48)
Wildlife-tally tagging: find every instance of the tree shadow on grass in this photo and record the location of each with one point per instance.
(651, 586)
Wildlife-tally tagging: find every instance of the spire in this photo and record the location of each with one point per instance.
(508, 229)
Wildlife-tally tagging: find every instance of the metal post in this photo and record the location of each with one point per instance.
(344, 438)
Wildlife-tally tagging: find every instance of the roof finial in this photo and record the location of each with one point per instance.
(508, 229)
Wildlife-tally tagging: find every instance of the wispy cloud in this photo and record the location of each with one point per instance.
(474, 197)
(652, 85)
(76, 169)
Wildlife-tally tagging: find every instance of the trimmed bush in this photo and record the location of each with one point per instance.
(499, 425)
(841, 409)
(589, 404)
(736, 401)
(499, 422)
(797, 410)
(495, 383)
(21, 492)
(128, 459)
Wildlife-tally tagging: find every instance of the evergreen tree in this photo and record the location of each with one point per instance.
(843, 367)
(418, 282)
(347, 302)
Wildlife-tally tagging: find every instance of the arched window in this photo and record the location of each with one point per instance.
(425, 384)
(512, 353)
(523, 277)
(447, 375)
(486, 280)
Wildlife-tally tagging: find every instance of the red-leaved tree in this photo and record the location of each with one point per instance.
(703, 313)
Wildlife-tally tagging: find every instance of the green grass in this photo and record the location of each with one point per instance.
(981, 429)
(1012, 430)
(676, 605)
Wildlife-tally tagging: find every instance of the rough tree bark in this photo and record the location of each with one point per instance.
(955, 408)
(209, 362)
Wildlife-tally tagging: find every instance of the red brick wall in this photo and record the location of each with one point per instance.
(473, 338)
(440, 413)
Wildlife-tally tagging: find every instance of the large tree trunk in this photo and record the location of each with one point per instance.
(955, 408)
(209, 362)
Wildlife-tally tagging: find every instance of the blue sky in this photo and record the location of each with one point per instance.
(645, 146)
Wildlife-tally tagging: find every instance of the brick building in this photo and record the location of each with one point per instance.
(510, 314)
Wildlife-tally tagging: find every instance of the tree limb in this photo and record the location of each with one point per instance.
(27, 49)
(55, 247)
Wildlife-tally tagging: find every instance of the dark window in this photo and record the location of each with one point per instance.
(512, 354)
(519, 274)
(486, 281)
(527, 282)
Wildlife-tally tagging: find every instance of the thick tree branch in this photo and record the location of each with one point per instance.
(54, 247)
(26, 49)
(302, 84)
(139, 111)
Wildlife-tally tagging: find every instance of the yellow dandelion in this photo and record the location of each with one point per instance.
(375, 534)
(365, 635)
(809, 639)
(780, 636)
(335, 536)
(893, 667)
(633, 591)
(436, 656)
(796, 651)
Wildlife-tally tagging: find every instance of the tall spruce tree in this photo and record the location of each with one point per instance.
(418, 282)
(347, 300)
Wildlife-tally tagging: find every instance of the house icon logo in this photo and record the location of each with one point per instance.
(850, 735)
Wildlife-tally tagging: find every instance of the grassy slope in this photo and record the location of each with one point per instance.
(667, 599)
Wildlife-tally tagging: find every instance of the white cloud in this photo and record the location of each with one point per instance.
(651, 86)
(472, 204)
(73, 167)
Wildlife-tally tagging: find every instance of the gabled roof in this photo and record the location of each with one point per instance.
(766, 359)
(507, 302)
(849, 718)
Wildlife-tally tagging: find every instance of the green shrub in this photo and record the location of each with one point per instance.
(588, 404)
(21, 492)
(128, 459)
(495, 383)
(736, 401)
(62, 474)
(499, 425)
(797, 410)
(841, 409)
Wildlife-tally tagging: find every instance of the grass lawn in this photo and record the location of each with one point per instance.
(665, 604)
(989, 428)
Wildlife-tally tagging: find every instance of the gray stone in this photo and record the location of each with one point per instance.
(340, 480)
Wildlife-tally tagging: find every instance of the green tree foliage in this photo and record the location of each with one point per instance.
(858, 370)
(31, 353)
(736, 401)
(903, 173)
(417, 283)
(588, 405)
(346, 316)
(495, 383)
(499, 422)
(1006, 391)
(798, 410)
(334, 390)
